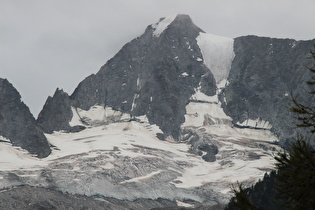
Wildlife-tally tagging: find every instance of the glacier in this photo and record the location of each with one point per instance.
(125, 159)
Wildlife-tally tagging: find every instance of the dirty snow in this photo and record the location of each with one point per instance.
(185, 74)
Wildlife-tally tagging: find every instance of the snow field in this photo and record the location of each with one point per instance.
(196, 114)
(125, 160)
(123, 137)
(96, 115)
(217, 53)
(14, 158)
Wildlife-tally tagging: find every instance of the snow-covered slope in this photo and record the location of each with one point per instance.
(96, 115)
(217, 54)
(125, 160)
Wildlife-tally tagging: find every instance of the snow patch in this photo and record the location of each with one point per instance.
(134, 105)
(204, 109)
(13, 158)
(96, 115)
(294, 44)
(185, 74)
(217, 53)
(2, 138)
(183, 204)
(142, 178)
(162, 25)
(200, 96)
(258, 123)
(200, 114)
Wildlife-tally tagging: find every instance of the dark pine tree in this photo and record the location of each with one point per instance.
(241, 199)
(261, 196)
(296, 175)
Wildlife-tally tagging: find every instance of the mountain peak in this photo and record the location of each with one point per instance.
(160, 26)
(183, 19)
(179, 21)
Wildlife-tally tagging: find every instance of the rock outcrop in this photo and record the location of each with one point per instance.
(57, 114)
(18, 125)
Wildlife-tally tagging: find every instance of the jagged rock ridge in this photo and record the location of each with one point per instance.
(17, 124)
(58, 108)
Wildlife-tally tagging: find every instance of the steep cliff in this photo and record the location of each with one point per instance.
(264, 76)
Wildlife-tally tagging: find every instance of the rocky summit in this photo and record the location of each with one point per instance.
(171, 121)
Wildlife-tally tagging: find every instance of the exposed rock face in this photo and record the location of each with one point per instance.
(153, 75)
(58, 108)
(33, 198)
(17, 123)
(264, 74)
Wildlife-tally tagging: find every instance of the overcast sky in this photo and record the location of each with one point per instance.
(45, 44)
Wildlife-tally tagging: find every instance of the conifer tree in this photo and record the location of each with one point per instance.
(241, 200)
(296, 175)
